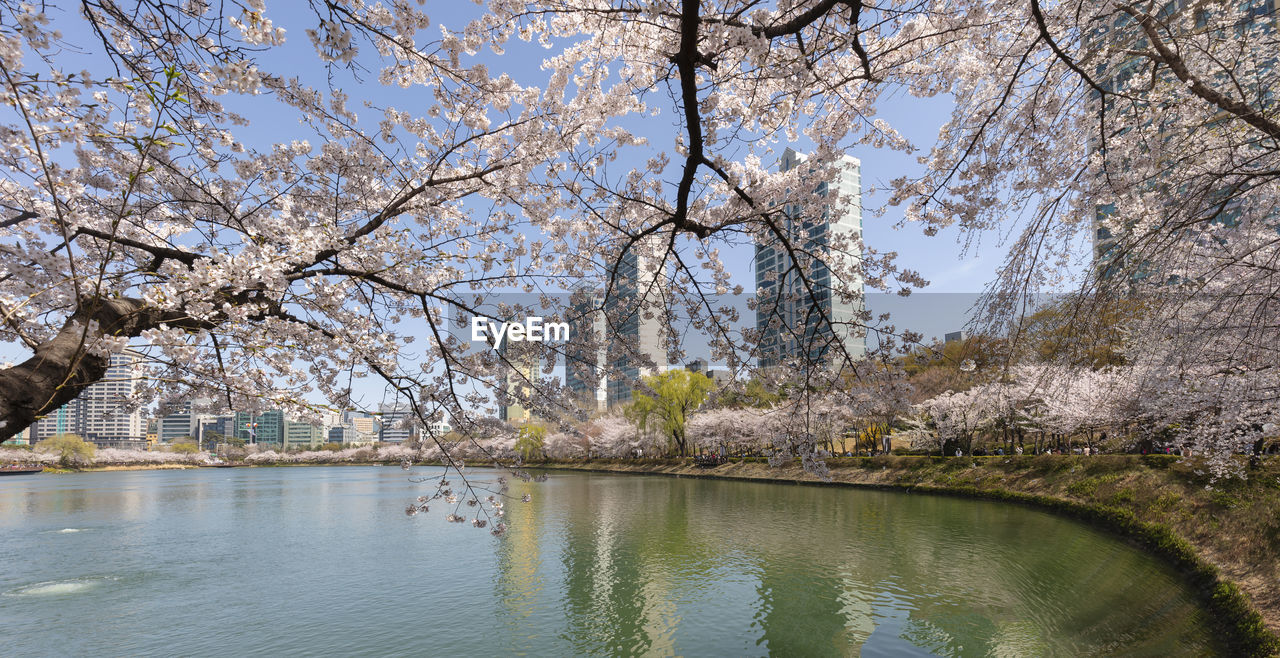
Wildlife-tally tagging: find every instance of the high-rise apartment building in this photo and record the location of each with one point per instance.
(616, 339)
(521, 369)
(104, 418)
(61, 421)
(1252, 74)
(795, 325)
(100, 414)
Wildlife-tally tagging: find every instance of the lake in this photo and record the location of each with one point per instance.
(324, 561)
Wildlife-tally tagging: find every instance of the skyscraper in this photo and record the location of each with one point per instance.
(105, 419)
(1127, 72)
(616, 338)
(521, 369)
(793, 323)
(101, 413)
(586, 352)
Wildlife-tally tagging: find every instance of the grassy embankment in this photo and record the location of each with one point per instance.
(1224, 537)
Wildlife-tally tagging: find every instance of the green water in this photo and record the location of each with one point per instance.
(323, 561)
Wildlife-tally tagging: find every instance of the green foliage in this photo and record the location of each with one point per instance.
(1083, 488)
(1051, 463)
(331, 446)
(755, 394)
(1124, 496)
(1166, 501)
(71, 449)
(676, 394)
(530, 440)
(1080, 331)
(932, 369)
(184, 446)
(1112, 464)
(758, 395)
(1160, 462)
(1224, 499)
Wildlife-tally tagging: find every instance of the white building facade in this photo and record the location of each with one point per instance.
(796, 326)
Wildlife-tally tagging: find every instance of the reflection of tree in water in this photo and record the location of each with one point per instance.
(629, 563)
(954, 576)
(816, 571)
(800, 614)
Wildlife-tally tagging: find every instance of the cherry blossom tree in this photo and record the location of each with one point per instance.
(1140, 144)
(143, 210)
(251, 272)
(141, 214)
(615, 436)
(730, 429)
(919, 430)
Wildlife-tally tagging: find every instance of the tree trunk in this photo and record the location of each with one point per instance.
(62, 367)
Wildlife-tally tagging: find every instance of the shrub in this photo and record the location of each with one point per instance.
(1224, 499)
(1123, 497)
(1159, 462)
(1084, 488)
(71, 449)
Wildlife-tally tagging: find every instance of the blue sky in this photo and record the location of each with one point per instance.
(942, 259)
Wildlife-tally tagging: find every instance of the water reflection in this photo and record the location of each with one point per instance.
(323, 561)
(651, 565)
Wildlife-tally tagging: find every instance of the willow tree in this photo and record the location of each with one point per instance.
(666, 402)
(270, 204)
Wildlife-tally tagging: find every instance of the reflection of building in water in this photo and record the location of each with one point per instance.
(620, 572)
(789, 318)
(795, 617)
(616, 333)
(520, 561)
